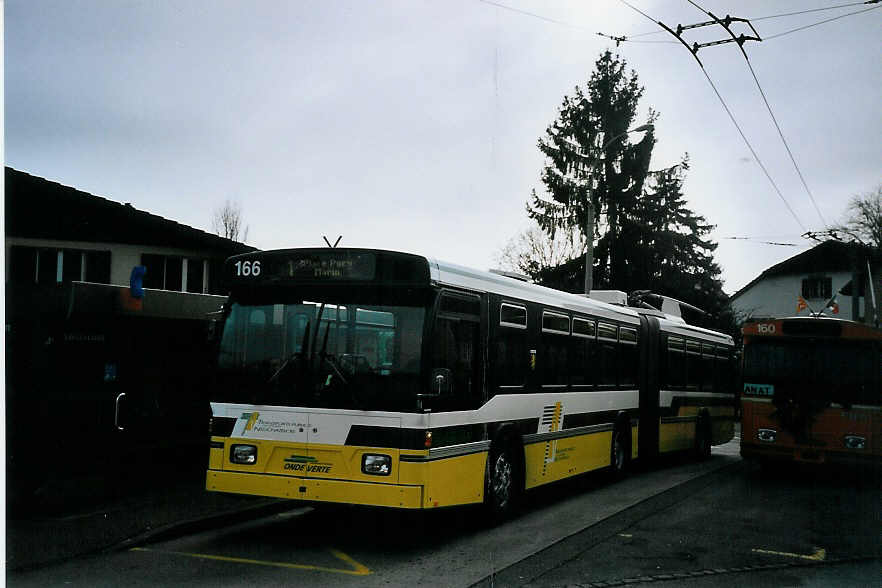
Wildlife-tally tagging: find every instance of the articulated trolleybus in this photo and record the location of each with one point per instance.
(812, 391)
(379, 378)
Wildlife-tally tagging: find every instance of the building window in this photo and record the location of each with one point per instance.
(195, 275)
(22, 265)
(40, 265)
(97, 267)
(817, 287)
(167, 272)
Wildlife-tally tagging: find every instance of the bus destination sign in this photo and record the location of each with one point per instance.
(333, 266)
(306, 266)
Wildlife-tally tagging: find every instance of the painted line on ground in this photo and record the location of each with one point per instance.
(357, 568)
(818, 555)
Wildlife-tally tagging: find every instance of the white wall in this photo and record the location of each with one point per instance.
(777, 296)
(122, 257)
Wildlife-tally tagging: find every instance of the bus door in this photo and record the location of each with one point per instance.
(457, 353)
(648, 429)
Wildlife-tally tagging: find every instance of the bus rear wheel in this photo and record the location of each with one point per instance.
(502, 488)
(703, 437)
(618, 453)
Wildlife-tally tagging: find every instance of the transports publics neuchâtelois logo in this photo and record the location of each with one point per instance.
(306, 463)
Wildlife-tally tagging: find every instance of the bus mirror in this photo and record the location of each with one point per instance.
(441, 382)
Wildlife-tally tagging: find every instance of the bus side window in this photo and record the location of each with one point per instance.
(583, 342)
(724, 372)
(675, 364)
(512, 358)
(607, 341)
(553, 357)
(694, 366)
(707, 367)
(628, 357)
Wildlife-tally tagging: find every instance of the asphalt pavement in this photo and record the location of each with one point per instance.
(77, 516)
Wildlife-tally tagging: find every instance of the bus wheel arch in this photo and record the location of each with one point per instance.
(504, 474)
(703, 436)
(620, 446)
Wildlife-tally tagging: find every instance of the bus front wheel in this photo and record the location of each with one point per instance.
(502, 486)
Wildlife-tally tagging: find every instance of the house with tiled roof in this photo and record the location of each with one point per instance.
(58, 234)
(831, 268)
(91, 358)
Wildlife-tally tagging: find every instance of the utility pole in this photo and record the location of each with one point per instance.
(589, 221)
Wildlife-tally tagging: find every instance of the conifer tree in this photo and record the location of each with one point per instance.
(591, 163)
(646, 236)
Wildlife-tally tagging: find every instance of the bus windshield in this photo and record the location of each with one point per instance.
(312, 353)
(833, 371)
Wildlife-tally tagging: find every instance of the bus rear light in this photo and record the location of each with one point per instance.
(243, 454)
(376, 465)
(855, 442)
(428, 443)
(767, 435)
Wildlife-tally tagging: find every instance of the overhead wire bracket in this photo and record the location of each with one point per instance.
(725, 23)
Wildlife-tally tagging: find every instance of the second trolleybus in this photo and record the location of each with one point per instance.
(812, 391)
(382, 378)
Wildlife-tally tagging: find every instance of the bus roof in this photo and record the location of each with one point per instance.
(449, 274)
(317, 265)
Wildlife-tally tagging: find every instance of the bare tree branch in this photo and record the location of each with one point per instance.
(533, 249)
(226, 221)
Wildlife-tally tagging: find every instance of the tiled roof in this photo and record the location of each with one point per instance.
(37, 208)
(828, 256)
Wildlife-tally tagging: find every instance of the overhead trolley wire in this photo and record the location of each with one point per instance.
(630, 38)
(810, 10)
(755, 240)
(533, 14)
(731, 117)
(772, 114)
(644, 34)
(802, 28)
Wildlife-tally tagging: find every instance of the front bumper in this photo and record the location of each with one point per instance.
(315, 489)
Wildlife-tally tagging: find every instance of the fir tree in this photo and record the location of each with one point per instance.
(646, 236)
(591, 163)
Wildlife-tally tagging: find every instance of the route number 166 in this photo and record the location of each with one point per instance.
(248, 268)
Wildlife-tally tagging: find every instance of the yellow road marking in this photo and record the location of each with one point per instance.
(357, 568)
(818, 555)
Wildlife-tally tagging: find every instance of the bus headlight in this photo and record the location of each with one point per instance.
(243, 454)
(855, 442)
(376, 465)
(767, 435)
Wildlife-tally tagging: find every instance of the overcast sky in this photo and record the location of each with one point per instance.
(412, 125)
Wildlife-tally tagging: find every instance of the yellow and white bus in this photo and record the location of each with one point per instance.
(382, 378)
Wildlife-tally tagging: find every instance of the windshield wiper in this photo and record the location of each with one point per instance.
(293, 356)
